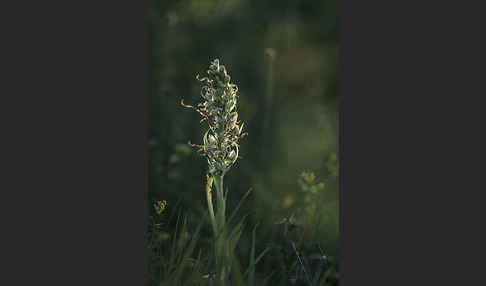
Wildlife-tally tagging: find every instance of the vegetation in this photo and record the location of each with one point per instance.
(260, 209)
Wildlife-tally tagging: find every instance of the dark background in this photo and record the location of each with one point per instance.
(283, 55)
(74, 194)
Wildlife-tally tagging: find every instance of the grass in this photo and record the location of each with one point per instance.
(186, 258)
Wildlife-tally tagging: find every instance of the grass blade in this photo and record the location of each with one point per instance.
(251, 267)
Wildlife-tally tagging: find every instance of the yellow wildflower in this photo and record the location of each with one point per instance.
(160, 206)
(288, 201)
(164, 235)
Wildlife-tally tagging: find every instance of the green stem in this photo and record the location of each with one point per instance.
(218, 180)
(209, 197)
(222, 259)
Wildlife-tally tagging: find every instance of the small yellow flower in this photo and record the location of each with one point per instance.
(307, 182)
(312, 177)
(288, 201)
(160, 206)
(164, 235)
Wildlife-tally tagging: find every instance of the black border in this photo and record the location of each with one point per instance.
(76, 153)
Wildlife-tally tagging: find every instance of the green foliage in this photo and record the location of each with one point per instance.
(179, 261)
(171, 259)
(283, 57)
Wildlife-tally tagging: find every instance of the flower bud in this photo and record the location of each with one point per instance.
(212, 140)
(232, 155)
(234, 117)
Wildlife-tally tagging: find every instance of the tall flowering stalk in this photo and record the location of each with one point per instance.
(221, 149)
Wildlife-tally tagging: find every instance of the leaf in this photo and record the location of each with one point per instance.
(235, 234)
(236, 271)
(251, 267)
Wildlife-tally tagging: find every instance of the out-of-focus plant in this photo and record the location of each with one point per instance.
(310, 187)
(180, 151)
(303, 261)
(333, 164)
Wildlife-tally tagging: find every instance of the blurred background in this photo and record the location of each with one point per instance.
(283, 56)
